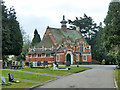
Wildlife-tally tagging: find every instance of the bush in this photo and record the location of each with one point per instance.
(103, 61)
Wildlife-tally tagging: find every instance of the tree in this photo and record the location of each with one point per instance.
(88, 29)
(111, 36)
(12, 41)
(36, 39)
(26, 46)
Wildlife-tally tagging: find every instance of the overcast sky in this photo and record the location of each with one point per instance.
(39, 14)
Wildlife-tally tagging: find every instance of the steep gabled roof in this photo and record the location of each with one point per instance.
(46, 42)
(61, 36)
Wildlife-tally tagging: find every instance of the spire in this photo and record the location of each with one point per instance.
(63, 24)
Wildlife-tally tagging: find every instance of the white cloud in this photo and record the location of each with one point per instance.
(41, 13)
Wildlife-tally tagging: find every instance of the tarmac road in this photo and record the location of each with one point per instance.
(101, 76)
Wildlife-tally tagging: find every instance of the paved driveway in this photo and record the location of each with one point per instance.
(101, 76)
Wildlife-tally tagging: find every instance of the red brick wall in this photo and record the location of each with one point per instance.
(62, 57)
(89, 58)
(74, 58)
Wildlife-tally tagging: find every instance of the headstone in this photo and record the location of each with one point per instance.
(6, 64)
(57, 65)
(39, 63)
(54, 66)
(11, 78)
(33, 64)
(15, 62)
(27, 63)
(4, 82)
(10, 63)
(44, 63)
(22, 64)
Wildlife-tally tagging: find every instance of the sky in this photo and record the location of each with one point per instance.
(38, 14)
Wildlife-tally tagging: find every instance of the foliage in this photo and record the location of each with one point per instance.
(89, 31)
(111, 36)
(86, 25)
(117, 77)
(11, 34)
(36, 38)
(26, 46)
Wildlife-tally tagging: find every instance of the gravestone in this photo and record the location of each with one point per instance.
(27, 63)
(22, 64)
(4, 82)
(31, 64)
(34, 64)
(15, 62)
(10, 63)
(6, 63)
(45, 63)
(39, 63)
(11, 78)
(54, 66)
(57, 65)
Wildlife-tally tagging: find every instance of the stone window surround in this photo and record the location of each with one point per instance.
(86, 58)
(77, 57)
(57, 58)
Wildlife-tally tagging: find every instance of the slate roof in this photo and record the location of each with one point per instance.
(46, 42)
(61, 36)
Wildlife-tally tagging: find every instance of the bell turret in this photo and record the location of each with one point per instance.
(63, 24)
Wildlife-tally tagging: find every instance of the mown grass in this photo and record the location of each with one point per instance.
(48, 70)
(117, 77)
(21, 84)
(27, 76)
(35, 77)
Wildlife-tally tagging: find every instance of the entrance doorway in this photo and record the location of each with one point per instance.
(68, 60)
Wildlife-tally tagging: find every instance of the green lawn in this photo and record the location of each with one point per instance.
(117, 77)
(74, 69)
(27, 76)
(21, 84)
(35, 77)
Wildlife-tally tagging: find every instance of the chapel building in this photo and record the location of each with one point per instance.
(61, 45)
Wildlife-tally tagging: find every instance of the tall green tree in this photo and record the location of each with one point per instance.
(26, 46)
(12, 41)
(88, 29)
(111, 34)
(36, 39)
